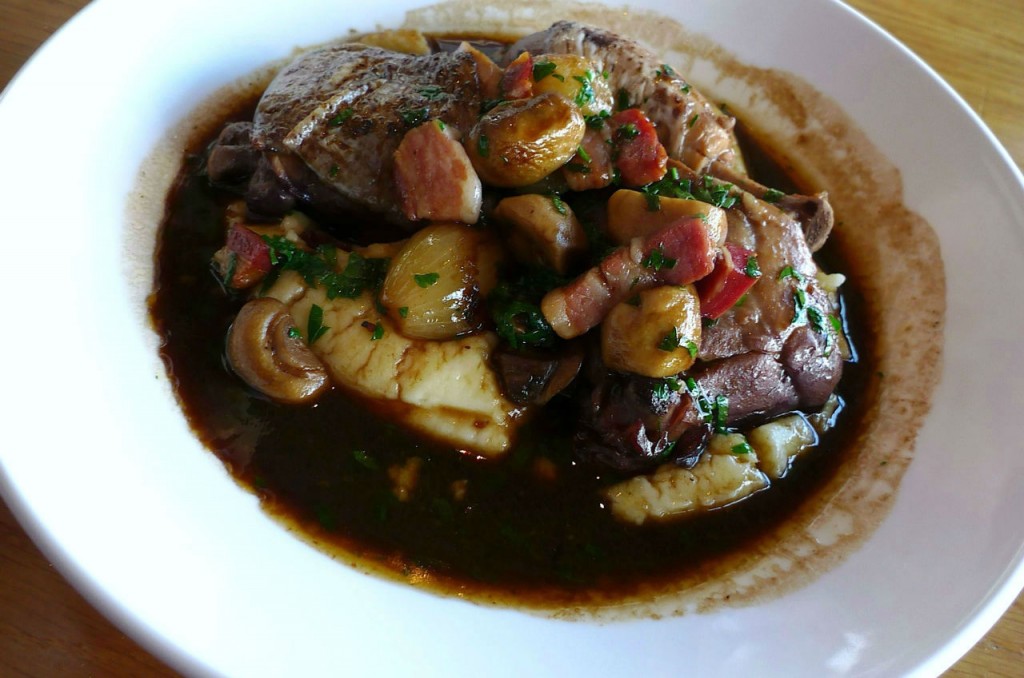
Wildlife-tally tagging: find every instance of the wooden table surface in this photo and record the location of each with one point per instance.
(47, 628)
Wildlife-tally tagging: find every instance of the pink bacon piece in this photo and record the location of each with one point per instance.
(678, 254)
(434, 176)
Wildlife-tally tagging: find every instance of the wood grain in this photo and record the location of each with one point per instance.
(48, 629)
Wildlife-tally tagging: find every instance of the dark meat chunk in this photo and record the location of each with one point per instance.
(813, 364)
(536, 378)
(266, 195)
(632, 424)
(232, 159)
(342, 110)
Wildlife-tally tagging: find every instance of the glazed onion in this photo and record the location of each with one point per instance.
(436, 283)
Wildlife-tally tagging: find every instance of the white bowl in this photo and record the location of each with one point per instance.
(102, 470)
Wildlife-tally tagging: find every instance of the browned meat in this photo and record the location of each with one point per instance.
(632, 424)
(232, 159)
(775, 352)
(343, 109)
(690, 128)
(812, 211)
(765, 318)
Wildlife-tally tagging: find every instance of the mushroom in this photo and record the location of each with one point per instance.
(266, 350)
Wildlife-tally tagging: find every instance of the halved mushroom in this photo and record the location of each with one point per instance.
(266, 350)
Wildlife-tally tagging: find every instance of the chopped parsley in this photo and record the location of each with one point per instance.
(582, 152)
(365, 459)
(514, 306)
(816, 319)
(543, 69)
(483, 146)
(656, 260)
(772, 195)
(229, 274)
(578, 168)
(559, 204)
(653, 202)
(742, 448)
(376, 330)
(685, 88)
(426, 279)
(752, 270)
(706, 190)
(586, 93)
(340, 118)
(294, 333)
(316, 328)
(414, 116)
(431, 92)
(403, 311)
(622, 99)
(790, 272)
(596, 121)
(665, 71)
(318, 268)
(693, 120)
(627, 132)
(721, 412)
(670, 341)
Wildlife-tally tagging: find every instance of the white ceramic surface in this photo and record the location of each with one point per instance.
(100, 467)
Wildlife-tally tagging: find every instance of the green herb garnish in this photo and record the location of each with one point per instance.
(360, 273)
(742, 448)
(586, 93)
(559, 204)
(622, 99)
(542, 69)
(515, 309)
(415, 116)
(627, 132)
(706, 190)
(365, 459)
(596, 121)
(656, 260)
(316, 328)
(426, 279)
(752, 270)
(376, 330)
(721, 412)
(670, 341)
(340, 118)
(772, 195)
(431, 92)
(790, 272)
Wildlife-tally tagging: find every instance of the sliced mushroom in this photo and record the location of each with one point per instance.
(266, 350)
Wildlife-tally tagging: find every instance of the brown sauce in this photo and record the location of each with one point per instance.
(512, 538)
